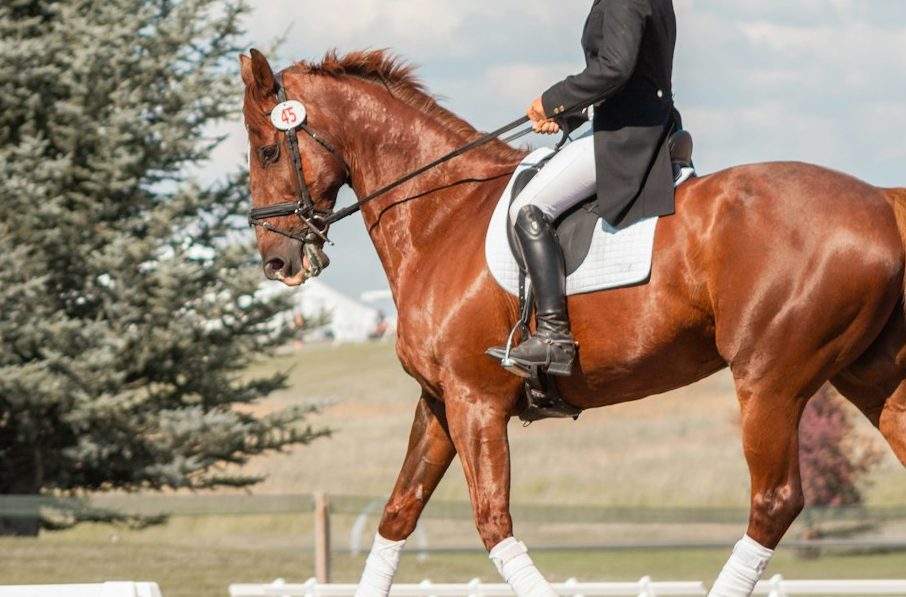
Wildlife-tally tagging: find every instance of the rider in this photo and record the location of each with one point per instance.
(628, 47)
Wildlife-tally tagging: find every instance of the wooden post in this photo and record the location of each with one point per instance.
(322, 537)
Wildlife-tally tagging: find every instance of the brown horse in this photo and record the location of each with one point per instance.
(789, 274)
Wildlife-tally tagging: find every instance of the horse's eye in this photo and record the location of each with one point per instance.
(269, 154)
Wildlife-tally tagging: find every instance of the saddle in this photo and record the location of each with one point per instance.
(575, 231)
(575, 228)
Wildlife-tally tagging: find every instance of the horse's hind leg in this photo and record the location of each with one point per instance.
(893, 422)
(428, 456)
(876, 384)
(770, 425)
(886, 412)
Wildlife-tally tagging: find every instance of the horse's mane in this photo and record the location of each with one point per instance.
(398, 77)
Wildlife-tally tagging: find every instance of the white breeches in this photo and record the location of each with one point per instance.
(569, 177)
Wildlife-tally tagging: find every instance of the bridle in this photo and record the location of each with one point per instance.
(314, 219)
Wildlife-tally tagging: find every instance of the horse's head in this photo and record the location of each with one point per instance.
(294, 172)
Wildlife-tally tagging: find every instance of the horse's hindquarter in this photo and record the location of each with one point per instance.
(804, 265)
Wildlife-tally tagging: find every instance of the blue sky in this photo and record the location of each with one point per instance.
(821, 81)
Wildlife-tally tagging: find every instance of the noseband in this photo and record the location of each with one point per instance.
(314, 219)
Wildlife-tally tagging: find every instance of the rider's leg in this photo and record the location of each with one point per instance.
(568, 178)
(552, 346)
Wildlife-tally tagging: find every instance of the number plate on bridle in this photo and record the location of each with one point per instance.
(288, 115)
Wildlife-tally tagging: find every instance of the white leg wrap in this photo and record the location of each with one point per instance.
(380, 567)
(516, 567)
(742, 570)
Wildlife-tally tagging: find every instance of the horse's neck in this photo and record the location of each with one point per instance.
(407, 224)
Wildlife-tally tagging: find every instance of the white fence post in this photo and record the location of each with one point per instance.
(776, 583)
(573, 582)
(645, 587)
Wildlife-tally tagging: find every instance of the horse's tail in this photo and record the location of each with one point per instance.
(898, 200)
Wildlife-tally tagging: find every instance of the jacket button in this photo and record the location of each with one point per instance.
(660, 93)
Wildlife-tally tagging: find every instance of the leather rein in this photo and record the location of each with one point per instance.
(315, 220)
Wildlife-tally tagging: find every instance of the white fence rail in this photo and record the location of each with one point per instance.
(777, 586)
(107, 589)
(645, 587)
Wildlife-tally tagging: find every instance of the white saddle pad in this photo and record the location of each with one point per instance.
(616, 258)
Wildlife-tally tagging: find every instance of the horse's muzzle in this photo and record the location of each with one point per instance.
(298, 267)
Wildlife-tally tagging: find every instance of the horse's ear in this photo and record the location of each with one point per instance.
(245, 67)
(257, 73)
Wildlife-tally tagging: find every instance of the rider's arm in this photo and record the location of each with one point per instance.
(608, 69)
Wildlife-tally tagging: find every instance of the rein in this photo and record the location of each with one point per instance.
(348, 211)
(314, 219)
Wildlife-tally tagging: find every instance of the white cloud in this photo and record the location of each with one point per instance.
(771, 79)
(814, 80)
(421, 29)
(776, 70)
(764, 132)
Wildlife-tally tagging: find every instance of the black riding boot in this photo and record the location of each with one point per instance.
(552, 347)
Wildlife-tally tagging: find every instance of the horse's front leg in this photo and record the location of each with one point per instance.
(478, 429)
(427, 458)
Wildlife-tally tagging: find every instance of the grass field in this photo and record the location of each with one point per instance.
(184, 570)
(681, 449)
(678, 449)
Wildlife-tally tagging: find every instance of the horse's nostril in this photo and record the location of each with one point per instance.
(273, 267)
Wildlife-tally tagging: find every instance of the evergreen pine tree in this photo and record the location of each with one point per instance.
(127, 307)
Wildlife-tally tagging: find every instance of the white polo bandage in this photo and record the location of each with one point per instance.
(517, 569)
(380, 567)
(742, 570)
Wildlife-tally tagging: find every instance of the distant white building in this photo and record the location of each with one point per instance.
(348, 320)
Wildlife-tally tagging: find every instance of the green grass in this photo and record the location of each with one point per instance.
(681, 449)
(187, 571)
